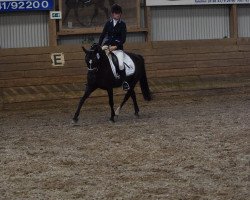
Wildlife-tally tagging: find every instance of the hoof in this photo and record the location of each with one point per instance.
(74, 122)
(137, 115)
(111, 120)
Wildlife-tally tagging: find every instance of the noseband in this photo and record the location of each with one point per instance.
(90, 68)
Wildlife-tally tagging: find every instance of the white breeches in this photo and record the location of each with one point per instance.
(118, 53)
(120, 56)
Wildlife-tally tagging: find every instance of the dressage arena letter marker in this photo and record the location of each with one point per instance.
(57, 59)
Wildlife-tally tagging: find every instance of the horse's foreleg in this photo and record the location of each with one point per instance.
(106, 10)
(77, 14)
(128, 94)
(94, 15)
(111, 103)
(87, 93)
(66, 14)
(111, 2)
(133, 96)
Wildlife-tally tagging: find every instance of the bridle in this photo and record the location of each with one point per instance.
(89, 66)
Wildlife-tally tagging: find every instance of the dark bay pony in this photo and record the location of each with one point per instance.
(76, 4)
(100, 75)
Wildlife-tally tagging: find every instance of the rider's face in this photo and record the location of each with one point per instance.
(116, 16)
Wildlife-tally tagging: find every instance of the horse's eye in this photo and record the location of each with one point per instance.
(98, 56)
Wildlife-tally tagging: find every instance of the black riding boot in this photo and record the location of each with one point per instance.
(125, 84)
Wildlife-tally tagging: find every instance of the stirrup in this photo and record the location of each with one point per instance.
(125, 86)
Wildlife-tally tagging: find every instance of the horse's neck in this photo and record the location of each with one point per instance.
(105, 63)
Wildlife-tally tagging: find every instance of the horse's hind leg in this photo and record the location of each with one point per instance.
(128, 94)
(111, 103)
(133, 96)
(88, 91)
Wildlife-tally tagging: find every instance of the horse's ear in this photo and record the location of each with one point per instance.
(85, 50)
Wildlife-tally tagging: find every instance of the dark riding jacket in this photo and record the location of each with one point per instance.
(116, 35)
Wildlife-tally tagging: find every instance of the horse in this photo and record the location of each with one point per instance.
(75, 4)
(100, 75)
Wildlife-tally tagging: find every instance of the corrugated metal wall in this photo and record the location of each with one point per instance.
(64, 40)
(244, 20)
(190, 22)
(23, 29)
(168, 23)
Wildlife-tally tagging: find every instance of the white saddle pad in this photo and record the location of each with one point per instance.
(128, 64)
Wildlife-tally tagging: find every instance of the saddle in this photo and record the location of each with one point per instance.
(128, 64)
(115, 61)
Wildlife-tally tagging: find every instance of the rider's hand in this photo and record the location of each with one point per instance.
(112, 48)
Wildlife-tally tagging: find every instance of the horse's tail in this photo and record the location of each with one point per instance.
(144, 82)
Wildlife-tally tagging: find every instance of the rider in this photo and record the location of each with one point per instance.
(116, 31)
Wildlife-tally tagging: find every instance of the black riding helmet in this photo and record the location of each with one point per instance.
(116, 9)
